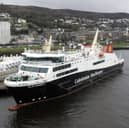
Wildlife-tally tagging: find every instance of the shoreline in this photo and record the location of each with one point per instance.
(121, 48)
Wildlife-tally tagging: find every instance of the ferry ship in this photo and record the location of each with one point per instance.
(50, 75)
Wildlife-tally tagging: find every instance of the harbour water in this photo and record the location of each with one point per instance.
(102, 105)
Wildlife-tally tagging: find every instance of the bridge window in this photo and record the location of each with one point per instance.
(34, 69)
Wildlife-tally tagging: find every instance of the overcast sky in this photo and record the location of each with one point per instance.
(86, 5)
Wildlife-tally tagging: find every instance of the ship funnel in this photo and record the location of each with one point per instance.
(47, 46)
(95, 39)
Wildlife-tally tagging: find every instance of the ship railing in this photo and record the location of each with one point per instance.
(54, 52)
(41, 63)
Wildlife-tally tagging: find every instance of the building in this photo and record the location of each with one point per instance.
(5, 34)
(4, 16)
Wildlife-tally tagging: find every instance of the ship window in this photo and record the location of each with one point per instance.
(52, 59)
(98, 62)
(61, 67)
(43, 70)
(34, 69)
(66, 72)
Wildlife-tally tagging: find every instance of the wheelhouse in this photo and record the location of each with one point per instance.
(54, 58)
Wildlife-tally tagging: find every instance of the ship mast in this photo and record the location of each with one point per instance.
(47, 46)
(95, 40)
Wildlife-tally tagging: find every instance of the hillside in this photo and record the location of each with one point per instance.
(43, 16)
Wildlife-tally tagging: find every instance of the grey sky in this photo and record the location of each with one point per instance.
(87, 5)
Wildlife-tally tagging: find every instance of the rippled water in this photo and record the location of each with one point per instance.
(104, 105)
